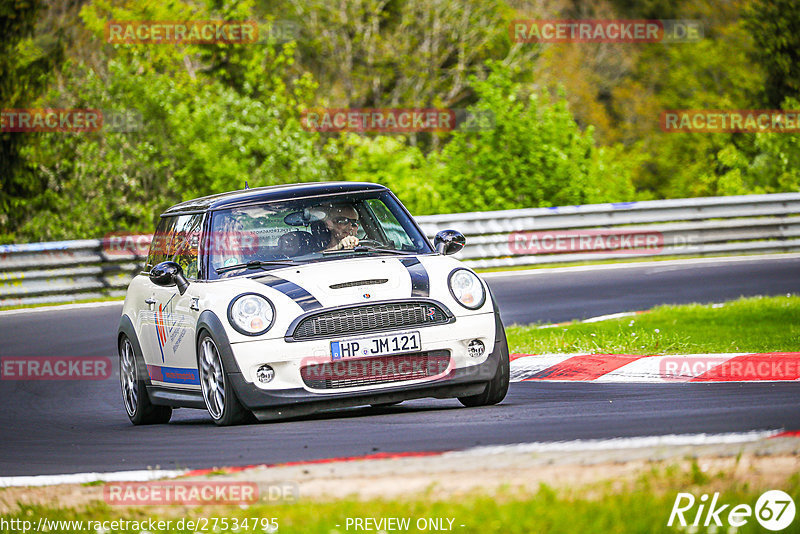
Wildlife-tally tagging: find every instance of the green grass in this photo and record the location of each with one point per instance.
(758, 324)
(642, 506)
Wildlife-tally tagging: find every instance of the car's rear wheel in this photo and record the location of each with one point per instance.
(134, 390)
(497, 388)
(221, 402)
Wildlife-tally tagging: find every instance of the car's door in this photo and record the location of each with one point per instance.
(149, 326)
(183, 310)
(169, 321)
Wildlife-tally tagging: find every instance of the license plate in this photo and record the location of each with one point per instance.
(376, 346)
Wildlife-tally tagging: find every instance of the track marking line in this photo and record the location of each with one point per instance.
(665, 369)
(341, 459)
(584, 368)
(63, 307)
(525, 366)
(630, 265)
(83, 478)
(670, 440)
(671, 368)
(777, 366)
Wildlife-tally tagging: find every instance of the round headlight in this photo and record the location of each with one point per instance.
(251, 314)
(467, 289)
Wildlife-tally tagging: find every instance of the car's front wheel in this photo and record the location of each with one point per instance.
(497, 388)
(134, 391)
(221, 402)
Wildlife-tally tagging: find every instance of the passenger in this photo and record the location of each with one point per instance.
(294, 243)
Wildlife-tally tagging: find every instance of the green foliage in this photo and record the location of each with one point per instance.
(771, 164)
(380, 53)
(715, 73)
(197, 136)
(775, 25)
(534, 156)
(25, 65)
(389, 161)
(574, 124)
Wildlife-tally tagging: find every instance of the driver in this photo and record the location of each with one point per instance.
(342, 221)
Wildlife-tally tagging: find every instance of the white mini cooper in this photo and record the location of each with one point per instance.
(282, 301)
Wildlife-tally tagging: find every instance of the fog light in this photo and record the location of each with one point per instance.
(476, 348)
(265, 374)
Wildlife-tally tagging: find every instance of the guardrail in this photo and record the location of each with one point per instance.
(69, 270)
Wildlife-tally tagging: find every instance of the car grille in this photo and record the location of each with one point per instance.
(356, 372)
(368, 318)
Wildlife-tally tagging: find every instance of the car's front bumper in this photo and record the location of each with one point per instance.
(282, 403)
(290, 397)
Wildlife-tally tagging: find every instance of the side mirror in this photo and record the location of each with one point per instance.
(169, 273)
(449, 242)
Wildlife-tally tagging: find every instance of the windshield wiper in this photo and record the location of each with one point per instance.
(367, 248)
(255, 264)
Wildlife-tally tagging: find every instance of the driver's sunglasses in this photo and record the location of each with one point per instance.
(346, 220)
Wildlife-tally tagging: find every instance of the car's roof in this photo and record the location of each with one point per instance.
(270, 193)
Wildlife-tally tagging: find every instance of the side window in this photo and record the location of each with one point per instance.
(393, 229)
(176, 239)
(159, 245)
(185, 241)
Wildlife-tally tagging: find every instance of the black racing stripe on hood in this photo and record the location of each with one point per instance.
(420, 283)
(302, 297)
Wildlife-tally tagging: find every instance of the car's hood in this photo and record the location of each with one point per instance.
(335, 283)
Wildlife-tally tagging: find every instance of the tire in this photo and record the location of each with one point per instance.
(221, 402)
(134, 389)
(497, 387)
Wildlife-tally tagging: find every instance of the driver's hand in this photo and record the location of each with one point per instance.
(348, 242)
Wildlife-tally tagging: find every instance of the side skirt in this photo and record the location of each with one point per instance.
(162, 396)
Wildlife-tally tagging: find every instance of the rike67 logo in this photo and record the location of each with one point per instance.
(774, 510)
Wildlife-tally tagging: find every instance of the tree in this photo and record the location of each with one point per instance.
(775, 26)
(25, 68)
(534, 156)
(195, 131)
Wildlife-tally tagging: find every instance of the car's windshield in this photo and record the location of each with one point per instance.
(281, 233)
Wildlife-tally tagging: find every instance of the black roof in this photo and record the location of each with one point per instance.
(270, 193)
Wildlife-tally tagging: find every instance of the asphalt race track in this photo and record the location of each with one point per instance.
(51, 427)
(566, 294)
